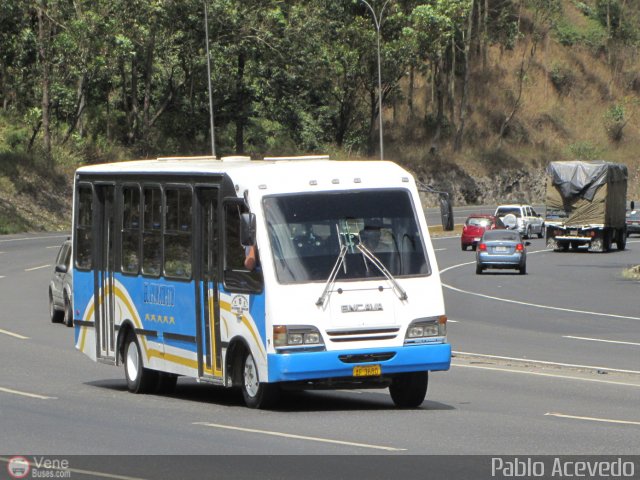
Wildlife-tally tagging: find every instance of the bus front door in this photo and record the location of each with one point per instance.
(208, 315)
(104, 261)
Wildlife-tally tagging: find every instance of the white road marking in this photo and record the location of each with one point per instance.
(53, 246)
(435, 249)
(445, 238)
(452, 321)
(36, 268)
(299, 437)
(1, 276)
(552, 375)
(85, 472)
(592, 419)
(537, 305)
(32, 238)
(11, 334)
(544, 362)
(26, 394)
(600, 340)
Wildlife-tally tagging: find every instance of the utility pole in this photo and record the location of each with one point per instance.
(206, 31)
(378, 23)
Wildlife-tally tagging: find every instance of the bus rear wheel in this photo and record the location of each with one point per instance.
(256, 394)
(408, 390)
(139, 379)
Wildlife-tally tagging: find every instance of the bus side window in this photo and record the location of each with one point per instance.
(131, 229)
(177, 235)
(236, 276)
(152, 232)
(84, 237)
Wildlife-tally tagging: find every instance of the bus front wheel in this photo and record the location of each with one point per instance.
(139, 379)
(256, 394)
(408, 390)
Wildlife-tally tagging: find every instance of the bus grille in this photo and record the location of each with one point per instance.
(363, 334)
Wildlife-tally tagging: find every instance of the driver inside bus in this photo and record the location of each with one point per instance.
(251, 258)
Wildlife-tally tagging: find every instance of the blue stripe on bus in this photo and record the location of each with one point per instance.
(313, 365)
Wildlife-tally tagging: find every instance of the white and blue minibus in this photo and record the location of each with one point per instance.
(345, 292)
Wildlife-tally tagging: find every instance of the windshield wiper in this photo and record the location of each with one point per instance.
(397, 289)
(328, 288)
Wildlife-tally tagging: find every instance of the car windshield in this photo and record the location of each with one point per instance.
(556, 214)
(502, 211)
(504, 235)
(479, 222)
(307, 232)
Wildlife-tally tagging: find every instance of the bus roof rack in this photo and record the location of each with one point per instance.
(203, 157)
(300, 157)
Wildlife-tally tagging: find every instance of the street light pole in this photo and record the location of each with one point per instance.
(378, 24)
(206, 31)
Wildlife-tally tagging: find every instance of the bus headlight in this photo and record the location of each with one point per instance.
(423, 328)
(296, 336)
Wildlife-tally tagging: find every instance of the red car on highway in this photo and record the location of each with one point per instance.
(474, 226)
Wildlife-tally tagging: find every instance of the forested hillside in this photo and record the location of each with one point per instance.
(477, 95)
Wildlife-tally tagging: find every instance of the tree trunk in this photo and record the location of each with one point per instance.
(465, 85)
(148, 77)
(485, 34)
(44, 35)
(80, 106)
(411, 92)
(439, 93)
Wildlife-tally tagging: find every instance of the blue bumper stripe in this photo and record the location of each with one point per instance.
(314, 365)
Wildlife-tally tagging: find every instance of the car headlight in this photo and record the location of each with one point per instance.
(287, 336)
(425, 330)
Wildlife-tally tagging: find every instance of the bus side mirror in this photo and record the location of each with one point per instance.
(247, 229)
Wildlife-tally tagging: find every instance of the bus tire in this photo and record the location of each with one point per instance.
(139, 379)
(408, 390)
(256, 394)
(54, 315)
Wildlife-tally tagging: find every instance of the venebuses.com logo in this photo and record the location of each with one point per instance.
(18, 467)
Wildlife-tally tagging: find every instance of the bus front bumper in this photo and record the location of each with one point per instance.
(299, 366)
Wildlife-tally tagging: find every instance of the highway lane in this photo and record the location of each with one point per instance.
(54, 400)
(572, 307)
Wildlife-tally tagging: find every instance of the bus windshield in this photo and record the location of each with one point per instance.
(308, 231)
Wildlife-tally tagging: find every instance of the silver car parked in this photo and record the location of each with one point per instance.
(60, 287)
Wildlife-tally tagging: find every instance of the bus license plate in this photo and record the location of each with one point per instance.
(367, 371)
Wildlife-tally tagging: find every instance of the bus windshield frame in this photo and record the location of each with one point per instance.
(308, 230)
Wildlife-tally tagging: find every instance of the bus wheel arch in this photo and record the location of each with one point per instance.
(244, 374)
(139, 378)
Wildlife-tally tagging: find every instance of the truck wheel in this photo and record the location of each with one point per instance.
(527, 233)
(621, 239)
(408, 390)
(139, 379)
(257, 394)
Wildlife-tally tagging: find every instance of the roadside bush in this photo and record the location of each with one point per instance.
(562, 79)
(614, 122)
(567, 34)
(583, 151)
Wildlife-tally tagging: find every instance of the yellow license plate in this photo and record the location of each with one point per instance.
(367, 371)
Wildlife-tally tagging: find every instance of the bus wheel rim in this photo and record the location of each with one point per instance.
(132, 361)
(250, 376)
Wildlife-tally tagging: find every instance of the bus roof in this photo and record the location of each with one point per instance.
(273, 175)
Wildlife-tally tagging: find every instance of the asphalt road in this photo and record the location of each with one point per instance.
(572, 310)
